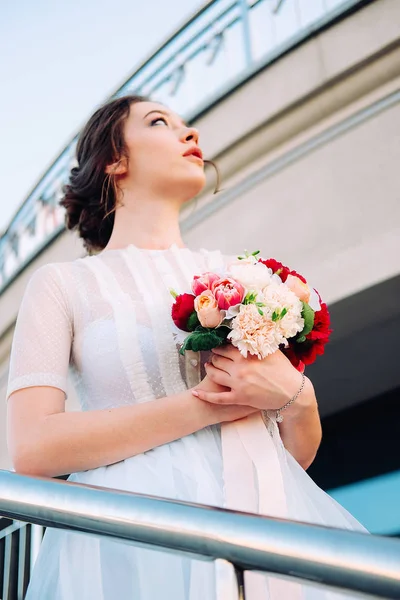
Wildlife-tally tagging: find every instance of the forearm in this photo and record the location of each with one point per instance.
(76, 441)
(301, 427)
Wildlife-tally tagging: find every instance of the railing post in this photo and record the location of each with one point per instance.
(8, 544)
(22, 553)
(240, 582)
(36, 540)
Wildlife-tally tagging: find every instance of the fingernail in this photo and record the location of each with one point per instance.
(195, 393)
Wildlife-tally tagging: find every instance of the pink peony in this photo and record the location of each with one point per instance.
(207, 310)
(203, 282)
(227, 292)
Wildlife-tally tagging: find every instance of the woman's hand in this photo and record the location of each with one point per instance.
(268, 385)
(264, 384)
(218, 413)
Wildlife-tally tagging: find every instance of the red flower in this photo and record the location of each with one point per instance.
(182, 308)
(280, 269)
(307, 352)
(277, 267)
(321, 330)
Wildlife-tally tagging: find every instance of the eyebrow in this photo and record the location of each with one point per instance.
(163, 112)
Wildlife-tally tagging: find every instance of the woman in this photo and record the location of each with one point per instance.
(151, 419)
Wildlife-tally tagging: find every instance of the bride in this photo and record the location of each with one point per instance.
(198, 428)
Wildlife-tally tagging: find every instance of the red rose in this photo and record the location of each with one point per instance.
(182, 308)
(280, 269)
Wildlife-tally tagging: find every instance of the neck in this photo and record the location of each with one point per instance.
(146, 221)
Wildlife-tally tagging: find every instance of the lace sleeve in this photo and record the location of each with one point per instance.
(42, 339)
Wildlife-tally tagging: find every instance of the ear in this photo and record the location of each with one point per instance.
(118, 168)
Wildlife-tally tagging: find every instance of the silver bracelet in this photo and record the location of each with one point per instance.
(279, 417)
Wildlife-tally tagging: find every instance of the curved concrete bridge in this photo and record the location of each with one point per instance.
(307, 138)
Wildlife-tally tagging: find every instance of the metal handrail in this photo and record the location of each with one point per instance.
(342, 559)
(39, 220)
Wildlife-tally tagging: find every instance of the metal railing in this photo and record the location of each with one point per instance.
(19, 546)
(345, 560)
(218, 48)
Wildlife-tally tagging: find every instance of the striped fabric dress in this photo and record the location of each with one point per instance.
(106, 321)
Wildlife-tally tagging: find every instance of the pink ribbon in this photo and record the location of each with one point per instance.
(253, 483)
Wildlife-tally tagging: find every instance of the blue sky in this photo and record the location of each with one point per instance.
(59, 60)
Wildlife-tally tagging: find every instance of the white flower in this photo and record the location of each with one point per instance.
(255, 334)
(278, 297)
(253, 275)
(232, 311)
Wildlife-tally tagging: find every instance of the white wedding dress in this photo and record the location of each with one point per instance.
(107, 319)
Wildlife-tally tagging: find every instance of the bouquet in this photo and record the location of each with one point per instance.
(257, 305)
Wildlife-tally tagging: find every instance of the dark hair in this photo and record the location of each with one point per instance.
(90, 197)
(91, 194)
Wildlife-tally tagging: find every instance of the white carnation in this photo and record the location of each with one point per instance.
(277, 297)
(254, 334)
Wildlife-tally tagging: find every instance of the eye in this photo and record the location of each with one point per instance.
(158, 119)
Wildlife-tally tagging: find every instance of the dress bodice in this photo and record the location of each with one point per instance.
(107, 320)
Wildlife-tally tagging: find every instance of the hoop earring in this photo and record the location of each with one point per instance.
(218, 183)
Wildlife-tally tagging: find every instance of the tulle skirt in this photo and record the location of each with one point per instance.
(75, 566)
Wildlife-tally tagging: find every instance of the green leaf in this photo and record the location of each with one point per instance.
(308, 315)
(222, 332)
(277, 315)
(301, 339)
(204, 339)
(193, 321)
(260, 312)
(250, 298)
(247, 254)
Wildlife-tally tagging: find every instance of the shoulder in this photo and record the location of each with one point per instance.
(55, 281)
(55, 273)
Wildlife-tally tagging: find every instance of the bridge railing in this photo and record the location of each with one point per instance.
(218, 48)
(340, 559)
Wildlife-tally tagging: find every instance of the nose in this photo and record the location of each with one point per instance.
(190, 134)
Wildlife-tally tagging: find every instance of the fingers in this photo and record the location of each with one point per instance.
(214, 397)
(217, 375)
(221, 363)
(228, 351)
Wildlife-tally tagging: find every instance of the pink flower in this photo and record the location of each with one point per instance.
(297, 286)
(227, 292)
(203, 282)
(207, 310)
